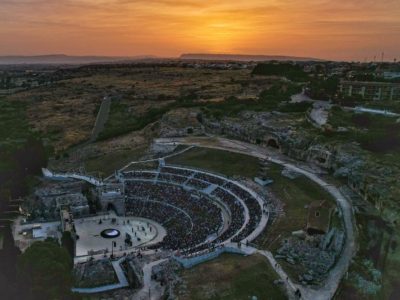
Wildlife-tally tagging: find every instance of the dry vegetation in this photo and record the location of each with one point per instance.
(65, 111)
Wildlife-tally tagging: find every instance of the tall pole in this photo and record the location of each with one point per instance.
(112, 249)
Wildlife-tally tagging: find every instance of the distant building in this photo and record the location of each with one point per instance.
(391, 75)
(77, 203)
(375, 91)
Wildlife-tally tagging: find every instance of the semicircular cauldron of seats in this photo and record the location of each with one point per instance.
(197, 209)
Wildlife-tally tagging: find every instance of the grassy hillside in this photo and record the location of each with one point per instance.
(231, 277)
(227, 163)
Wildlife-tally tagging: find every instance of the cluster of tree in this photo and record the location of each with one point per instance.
(6, 82)
(291, 71)
(121, 121)
(323, 89)
(44, 269)
(68, 243)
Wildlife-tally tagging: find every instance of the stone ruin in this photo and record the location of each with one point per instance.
(94, 274)
(133, 269)
(316, 254)
(111, 197)
(51, 197)
(167, 274)
(181, 122)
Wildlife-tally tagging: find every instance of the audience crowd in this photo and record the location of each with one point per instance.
(192, 220)
(189, 219)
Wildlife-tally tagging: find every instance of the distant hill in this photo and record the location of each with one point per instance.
(65, 59)
(244, 57)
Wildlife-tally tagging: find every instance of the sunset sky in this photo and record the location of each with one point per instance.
(332, 29)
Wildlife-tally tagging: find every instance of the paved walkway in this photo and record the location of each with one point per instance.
(101, 119)
(150, 160)
(289, 285)
(328, 289)
(360, 109)
(151, 289)
(65, 176)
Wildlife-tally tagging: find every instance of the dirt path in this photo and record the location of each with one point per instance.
(151, 289)
(101, 119)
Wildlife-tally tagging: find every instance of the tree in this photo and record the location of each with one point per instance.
(68, 243)
(45, 268)
(291, 71)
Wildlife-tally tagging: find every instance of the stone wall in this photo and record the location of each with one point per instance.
(112, 200)
(189, 262)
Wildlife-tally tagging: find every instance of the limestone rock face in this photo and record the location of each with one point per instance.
(180, 122)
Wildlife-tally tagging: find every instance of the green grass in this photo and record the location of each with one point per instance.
(379, 244)
(15, 133)
(232, 277)
(391, 282)
(224, 162)
(14, 130)
(121, 121)
(13, 123)
(378, 134)
(148, 165)
(5, 164)
(108, 163)
(1, 239)
(19, 150)
(294, 194)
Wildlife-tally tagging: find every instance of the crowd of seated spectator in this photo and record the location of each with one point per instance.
(237, 213)
(168, 205)
(203, 213)
(198, 184)
(172, 178)
(253, 206)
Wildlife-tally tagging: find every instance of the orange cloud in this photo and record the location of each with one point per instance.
(348, 29)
